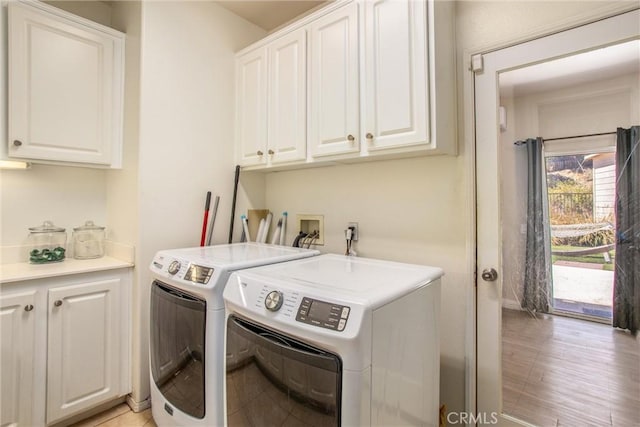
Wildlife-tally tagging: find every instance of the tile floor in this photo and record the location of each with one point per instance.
(119, 416)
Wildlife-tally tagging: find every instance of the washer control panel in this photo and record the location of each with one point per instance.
(198, 274)
(182, 269)
(323, 314)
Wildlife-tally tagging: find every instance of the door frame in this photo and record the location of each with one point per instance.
(469, 142)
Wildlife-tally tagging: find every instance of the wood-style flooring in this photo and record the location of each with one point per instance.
(559, 371)
(119, 416)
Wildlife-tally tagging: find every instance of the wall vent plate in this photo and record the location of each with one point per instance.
(309, 223)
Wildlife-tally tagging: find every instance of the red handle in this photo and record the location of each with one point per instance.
(206, 218)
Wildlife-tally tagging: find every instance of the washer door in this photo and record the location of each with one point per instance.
(177, 347)
(273, 379)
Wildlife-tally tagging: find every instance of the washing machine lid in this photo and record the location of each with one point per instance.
(372, 283)
(203, 271)
(237, 256)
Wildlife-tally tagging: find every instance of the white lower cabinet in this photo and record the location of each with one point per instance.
(65, 346)
(83, 346)
(17, 320)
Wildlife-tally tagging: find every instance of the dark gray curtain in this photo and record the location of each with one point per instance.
(537, 275)
(626, 288)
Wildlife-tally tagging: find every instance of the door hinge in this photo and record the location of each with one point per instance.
(476, 63)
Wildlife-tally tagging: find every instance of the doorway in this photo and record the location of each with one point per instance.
(581, 193)
(498, 166)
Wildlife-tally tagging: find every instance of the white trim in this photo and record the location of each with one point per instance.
(470, 181)
(138, 406)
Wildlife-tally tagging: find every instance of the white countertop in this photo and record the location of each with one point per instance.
(25, 271)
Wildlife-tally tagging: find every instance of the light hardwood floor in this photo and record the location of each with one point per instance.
(559, 371)
(119, 416)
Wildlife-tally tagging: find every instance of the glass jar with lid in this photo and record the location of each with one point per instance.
(88, 241)
(47, 243)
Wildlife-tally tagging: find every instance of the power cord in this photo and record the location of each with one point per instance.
(348, 234)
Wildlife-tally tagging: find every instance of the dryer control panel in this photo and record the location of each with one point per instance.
(324, 314)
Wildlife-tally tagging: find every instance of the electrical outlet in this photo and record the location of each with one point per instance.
(355, 234)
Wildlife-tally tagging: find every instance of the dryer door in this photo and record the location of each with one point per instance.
(273, 379)
(177, 347)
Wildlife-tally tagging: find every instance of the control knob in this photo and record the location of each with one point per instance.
(274, 300)
(174, 267)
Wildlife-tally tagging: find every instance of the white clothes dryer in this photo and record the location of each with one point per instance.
(187, 327)
(333, 340)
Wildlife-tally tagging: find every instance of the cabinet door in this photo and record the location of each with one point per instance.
(334, 77)
(395, 74)
(251, 108)
(83, 347)
(288, 98)
(17, 316)
(65, 87)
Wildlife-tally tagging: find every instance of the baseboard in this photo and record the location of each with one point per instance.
(138, 406)
(511, 304)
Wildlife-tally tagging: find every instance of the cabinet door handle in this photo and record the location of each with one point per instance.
(369, 136)
(57, 303)
(271, 153)
(28, 307)
(17, 143)
(259, 153)
(351, 138)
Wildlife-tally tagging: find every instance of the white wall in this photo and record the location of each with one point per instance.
(185, 136)
(410, 210)
(596, 107)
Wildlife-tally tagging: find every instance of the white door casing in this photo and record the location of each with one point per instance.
(488, 294)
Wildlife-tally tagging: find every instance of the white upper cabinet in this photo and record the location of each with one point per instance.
(395, 74)
(334, 80)
(288, 98)
(271, 109)
(251, 108)
(380, 82)
(66, 81)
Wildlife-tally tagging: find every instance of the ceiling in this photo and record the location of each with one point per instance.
(599, 64)
(268, 14)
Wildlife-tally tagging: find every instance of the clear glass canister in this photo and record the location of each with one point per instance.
(47, 243)
(88, 241)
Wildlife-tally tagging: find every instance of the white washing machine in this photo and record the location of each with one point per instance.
(333, 340)
(187, 327)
